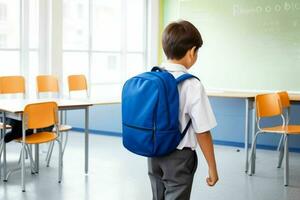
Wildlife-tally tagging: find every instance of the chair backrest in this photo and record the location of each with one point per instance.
(284, 98)
(268, 105)
(77, 82)
(47, 83)
(12, 85)
(40, 115)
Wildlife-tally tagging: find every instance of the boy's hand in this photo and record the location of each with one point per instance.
(207, 147)
(213, 177)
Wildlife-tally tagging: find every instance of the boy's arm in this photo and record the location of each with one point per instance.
(207, 148)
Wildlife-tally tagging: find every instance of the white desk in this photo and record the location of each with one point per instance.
(14, 108)
(249, 105)
(249, 98)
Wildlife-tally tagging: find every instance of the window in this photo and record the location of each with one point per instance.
(105, 40)
(3, 13)
(10, 37)
(19, 57)
(33, 37)
(3, 40)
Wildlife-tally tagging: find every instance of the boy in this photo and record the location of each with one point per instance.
(171, 176)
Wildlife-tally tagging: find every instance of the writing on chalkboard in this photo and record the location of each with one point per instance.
(239, 10)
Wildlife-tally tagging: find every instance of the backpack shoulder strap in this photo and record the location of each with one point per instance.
(184, 77)
(186, 128)
(180, 79)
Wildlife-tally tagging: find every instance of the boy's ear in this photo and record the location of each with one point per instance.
(193, 51)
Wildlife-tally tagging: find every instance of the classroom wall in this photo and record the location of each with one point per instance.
(229, 112)
(252, 45)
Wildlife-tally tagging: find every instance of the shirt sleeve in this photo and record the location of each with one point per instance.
(199, 109)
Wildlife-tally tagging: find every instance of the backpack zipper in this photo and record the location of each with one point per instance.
(153, 133)
(145, 129)
(137, 127)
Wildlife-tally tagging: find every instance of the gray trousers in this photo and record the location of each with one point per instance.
(172, 176)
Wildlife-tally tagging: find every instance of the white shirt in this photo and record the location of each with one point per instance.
(194, 104)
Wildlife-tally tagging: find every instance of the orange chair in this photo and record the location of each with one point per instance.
(35, 116)
(270, 105)
(12, 85)
(49, 83)
(77, 83)
(286, 105)
(285, 102)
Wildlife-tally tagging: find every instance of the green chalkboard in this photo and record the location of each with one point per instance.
(248, 45)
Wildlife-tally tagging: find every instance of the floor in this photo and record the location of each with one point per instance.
(116, 174)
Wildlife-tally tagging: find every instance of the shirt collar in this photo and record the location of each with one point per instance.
(173, 67)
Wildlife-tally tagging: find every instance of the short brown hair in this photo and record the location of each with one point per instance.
(179, 37)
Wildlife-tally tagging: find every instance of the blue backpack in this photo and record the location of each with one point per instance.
(150, 111)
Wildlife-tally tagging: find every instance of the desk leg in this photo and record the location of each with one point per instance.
(247, 135)
(4, 149)
(4, 162)
(1, 146)
(253, 134)
(86, 146)
(23, 156)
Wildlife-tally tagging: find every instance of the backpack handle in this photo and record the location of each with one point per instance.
(157, 69)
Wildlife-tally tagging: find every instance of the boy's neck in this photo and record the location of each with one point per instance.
(180, 62)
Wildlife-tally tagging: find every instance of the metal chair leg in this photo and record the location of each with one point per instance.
(20, 158)
(32, 163)
(50, 154)
(26, 156)
(23, 168)
(65, 143)
(1, 150)
(59, 162)
(26, 153)
(280, 143)
(286, 161)
(281, 152)
(252, 155)
(254, 158)
(37, 157)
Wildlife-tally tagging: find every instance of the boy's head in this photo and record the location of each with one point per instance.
(181, 39)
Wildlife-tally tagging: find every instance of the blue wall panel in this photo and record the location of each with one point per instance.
(230, 115)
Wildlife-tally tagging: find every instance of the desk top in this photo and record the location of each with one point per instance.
(250, 95)
(105, 101)
(294, 97)
(231, 94)
(18, 105)
(222, 94)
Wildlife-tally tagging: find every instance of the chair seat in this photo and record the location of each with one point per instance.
(39, 138)
(290, 129)
(64, 128)
(7, 126)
